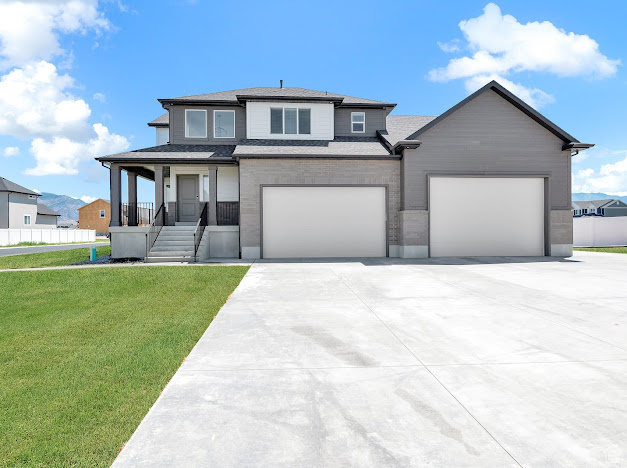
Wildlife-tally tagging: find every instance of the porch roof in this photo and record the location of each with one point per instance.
(174, 153)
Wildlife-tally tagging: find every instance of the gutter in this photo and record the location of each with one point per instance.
(575, 147)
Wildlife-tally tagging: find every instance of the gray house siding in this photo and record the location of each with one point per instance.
(255, 173)
(46, 221)
(375, 120)
(20, 205)
(177, 125)
(4, 210)
(489, 136)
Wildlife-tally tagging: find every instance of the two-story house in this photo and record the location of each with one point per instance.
(292, 172)
(19, 208)
(608, 208)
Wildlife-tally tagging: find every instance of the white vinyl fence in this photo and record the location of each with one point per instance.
(49, 236)
(596, 231)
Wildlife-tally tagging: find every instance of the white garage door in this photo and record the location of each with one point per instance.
(314, 222)
(484, 216)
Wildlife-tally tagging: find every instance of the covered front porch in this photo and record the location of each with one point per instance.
(195, 215)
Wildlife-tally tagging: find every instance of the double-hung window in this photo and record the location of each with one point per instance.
(290, 121)
(102, 213)
(195, 123)
(27, 219)
(224, 124)
(358, 122)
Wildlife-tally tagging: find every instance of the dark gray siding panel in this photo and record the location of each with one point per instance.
(612, 212)
(487, 136)
(4, 210)
(177, 125)
(375, 120)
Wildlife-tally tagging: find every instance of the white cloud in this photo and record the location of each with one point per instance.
(29, 29)
(35, 101)
(100, 97)
(36, 191)
(501, 46)
(88, 199)
(611, 178)
(63, 155)
(450, 47)
(11, 151)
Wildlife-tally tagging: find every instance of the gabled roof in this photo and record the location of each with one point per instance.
(45, 210)
(8, 186)
(161, 121)
(400, 127)
(236, 95)
(583, 204)
(91, 203)
(568, 139)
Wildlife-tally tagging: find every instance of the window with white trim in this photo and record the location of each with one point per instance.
(358, 122)
(290, 121)
(102, 213)
(224, 124)
(195, 123)
(27, 219)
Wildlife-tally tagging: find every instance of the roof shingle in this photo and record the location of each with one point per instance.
(8, 186)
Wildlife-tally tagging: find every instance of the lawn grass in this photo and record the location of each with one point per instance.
(47, 259)
(84, 354)
(603, 249)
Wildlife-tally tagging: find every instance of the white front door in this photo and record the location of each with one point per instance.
(486, 216)
(318, 222)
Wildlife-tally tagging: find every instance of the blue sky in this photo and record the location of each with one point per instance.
(81, 79)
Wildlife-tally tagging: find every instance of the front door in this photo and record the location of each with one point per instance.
(187, 198)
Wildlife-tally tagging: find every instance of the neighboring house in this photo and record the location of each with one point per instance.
(95, 215)
(19, 208)
(607, 208)
(292, 172)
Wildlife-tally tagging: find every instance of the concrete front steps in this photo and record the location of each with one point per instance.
(174, 244)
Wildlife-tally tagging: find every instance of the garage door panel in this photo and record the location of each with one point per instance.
(485, 216)
(315, 222)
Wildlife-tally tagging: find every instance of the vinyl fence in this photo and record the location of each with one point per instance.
(596, 231)
(49, 236)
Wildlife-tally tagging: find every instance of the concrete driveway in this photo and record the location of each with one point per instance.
(458, 362)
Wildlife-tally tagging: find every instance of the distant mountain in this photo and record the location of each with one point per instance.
(66, 206)
(596, 196)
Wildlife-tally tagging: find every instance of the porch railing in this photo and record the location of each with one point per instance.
(227, 213)
(200, 229)
(155, 228)
(137, 214)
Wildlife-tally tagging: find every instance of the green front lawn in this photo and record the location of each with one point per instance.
(48, 259)
(603, 249)
(84, 353)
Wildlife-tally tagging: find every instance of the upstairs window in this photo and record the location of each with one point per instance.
(102, 213)
(195, 123)
(290, 121)
(358, 122)
(224, 124)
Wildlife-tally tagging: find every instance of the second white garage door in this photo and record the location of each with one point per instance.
(484, 216)
(317, 222)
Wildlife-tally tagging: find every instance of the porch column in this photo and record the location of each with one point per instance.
(158, 187)
(213, 195)
(115, 186)
(132, 198)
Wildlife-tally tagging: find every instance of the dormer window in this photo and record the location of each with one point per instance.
(358, 122)
(290, 121)
(195, 123)
(224, 124)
